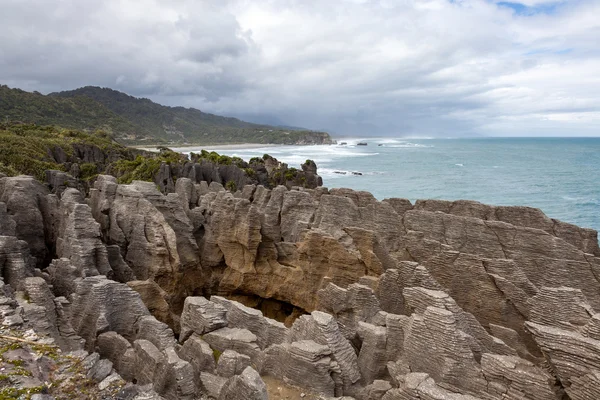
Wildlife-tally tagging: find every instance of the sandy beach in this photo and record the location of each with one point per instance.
(226, 146)
(198, 147)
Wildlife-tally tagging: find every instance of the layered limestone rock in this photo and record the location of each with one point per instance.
(154, 236)
(33, 210)
(436, 300)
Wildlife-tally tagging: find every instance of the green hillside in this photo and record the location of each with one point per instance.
(75, 113)
(136, 121)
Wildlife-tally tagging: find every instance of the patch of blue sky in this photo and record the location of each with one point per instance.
(524, 10)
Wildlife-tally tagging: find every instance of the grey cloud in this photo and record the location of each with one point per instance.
(354, 67)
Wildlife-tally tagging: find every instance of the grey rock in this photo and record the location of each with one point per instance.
(16, 263)
(240, 340)
(510, 377)
(100, 370)
(78, 236)
(159, 333)
(304, 363)
(212, 384)
(201, 316)
(29, 206)
(39, 396)
(323, 329)
(113, 379)
(246, 386)
(89, 361)
(435, 345)
(418, 299)
(199, 354)
(267, 331)
(377, 390)
(119, 351)
(372, 357)
(573, 357)
(232, 363)
(416, 386)
(7, 223)
(63, 275)
(149, 360)
(101, 305)
(562, 307)
(174, 378)
(12, 320)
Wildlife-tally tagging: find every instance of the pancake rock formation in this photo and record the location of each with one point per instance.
(208, 293)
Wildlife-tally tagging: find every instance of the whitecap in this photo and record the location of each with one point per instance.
(409, 145)
(388, 141)
(582, 200)
(459, 165)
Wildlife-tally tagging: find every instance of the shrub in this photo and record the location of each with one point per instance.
(140, 169)
(224, 160)
(8, 170)
(251, 173)
(87, 171)
(237, 162)
(231, 186)
(291, 174)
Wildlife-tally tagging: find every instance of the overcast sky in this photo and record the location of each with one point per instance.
(397, 67)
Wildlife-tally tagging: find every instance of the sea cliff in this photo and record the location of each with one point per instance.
(189, 290)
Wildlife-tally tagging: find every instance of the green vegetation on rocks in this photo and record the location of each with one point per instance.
(31, 150)
(145, 168)
(231, 186)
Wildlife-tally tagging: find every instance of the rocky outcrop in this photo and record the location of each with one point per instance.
(374, 300)
(33, 211)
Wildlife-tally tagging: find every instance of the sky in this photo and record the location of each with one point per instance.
(351, 67)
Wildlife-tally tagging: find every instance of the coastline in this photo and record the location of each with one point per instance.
(229, 146)
(211, 147)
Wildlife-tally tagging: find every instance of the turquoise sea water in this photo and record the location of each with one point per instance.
(559, 175)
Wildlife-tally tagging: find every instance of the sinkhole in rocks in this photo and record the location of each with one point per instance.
(275, 309)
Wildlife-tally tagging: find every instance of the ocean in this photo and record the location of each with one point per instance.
(558, 175)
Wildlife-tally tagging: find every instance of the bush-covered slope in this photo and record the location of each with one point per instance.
(188, 125)
(140, 121)
(29, 149)
(75, 113)
(136, 121)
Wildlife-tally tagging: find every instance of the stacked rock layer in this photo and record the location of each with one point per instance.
(200, 292)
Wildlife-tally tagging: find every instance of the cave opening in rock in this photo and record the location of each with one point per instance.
(271, 308)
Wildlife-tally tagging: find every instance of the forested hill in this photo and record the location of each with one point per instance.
(131, 120)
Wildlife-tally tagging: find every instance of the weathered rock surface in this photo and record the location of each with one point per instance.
(246, 386)
(201, 316)
(374, 300)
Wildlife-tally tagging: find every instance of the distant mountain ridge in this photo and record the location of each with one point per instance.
(140, 121)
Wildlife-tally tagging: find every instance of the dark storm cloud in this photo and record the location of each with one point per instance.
(362, 67)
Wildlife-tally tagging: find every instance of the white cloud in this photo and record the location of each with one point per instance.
(352, 66)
